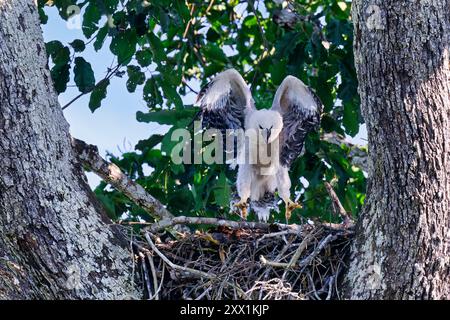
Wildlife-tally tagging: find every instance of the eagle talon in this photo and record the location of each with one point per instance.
(242, 206)
(291, 206)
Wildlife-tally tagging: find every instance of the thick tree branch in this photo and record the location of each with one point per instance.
(89, 156)
(182, 220)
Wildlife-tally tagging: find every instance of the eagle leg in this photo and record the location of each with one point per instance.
(242, 206)
(291, 206)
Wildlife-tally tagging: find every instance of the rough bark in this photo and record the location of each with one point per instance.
(401, 250)
(55, 241)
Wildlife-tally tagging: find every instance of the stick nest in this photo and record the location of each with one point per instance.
(302, 263)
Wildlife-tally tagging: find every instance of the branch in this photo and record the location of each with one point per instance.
(160, 225)
(89, 156)
(337, 206)
(305, 242)
(358, 155)
(292, 228)
(315, 253)
(108, 76)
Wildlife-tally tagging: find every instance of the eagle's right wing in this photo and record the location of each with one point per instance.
(225, 101)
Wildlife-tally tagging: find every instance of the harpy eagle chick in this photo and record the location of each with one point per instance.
(274, 138)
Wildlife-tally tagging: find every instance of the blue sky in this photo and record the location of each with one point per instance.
(113, 127)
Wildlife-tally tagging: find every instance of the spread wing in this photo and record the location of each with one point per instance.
(300, 109)
(225, 101)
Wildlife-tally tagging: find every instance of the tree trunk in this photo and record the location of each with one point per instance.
(55, 241)
(401, 250)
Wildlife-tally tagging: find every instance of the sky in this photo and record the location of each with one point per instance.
(113, 127)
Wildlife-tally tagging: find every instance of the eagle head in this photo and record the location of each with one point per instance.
(267, 123)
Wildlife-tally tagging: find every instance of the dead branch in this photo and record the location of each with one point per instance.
(155, 278)
(90, 157)
(337, 205)
(283, 228)
(315, 253)
(162, 224)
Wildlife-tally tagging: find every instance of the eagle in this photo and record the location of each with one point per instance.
(226, 104)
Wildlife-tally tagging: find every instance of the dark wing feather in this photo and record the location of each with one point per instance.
(225, 101)
(224, 104)
(300, 109)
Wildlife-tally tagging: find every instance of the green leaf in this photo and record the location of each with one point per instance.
(169, 117)
(144, 57)
(214, 53)
(60, 72)
(78, 45)
(60, 54)
(278, 72)
(135, 77)
(108, 204)
(152, 94)
(123, 45)
(100, 38)
(222, 191)
(60, 76)
(42, 16)
(149, 143)
(98, 94)
(351, 119)
(91, 18)
(156, 47)
(84, 76)
(171, 94)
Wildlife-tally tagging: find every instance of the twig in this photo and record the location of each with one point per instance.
(211, 3)
(146, 279)
(204, 293)
(160, 284)
(261, 30)
(187, 85)
(266, 262)
(107, 77)
(294, 258)
(330, 287)
(302, 246)
(89, 156)
(276, 234)
(322, 244)
(188, 26)
(155, 279)
(337, 206)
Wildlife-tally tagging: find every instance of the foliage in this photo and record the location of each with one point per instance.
(162, 45)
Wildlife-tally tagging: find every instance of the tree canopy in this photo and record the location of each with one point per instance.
(164, 46)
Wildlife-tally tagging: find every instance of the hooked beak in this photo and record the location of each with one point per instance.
(268, 132)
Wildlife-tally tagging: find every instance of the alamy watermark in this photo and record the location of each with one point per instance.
(232, 146)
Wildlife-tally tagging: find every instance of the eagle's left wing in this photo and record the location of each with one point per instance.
(300, 109)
